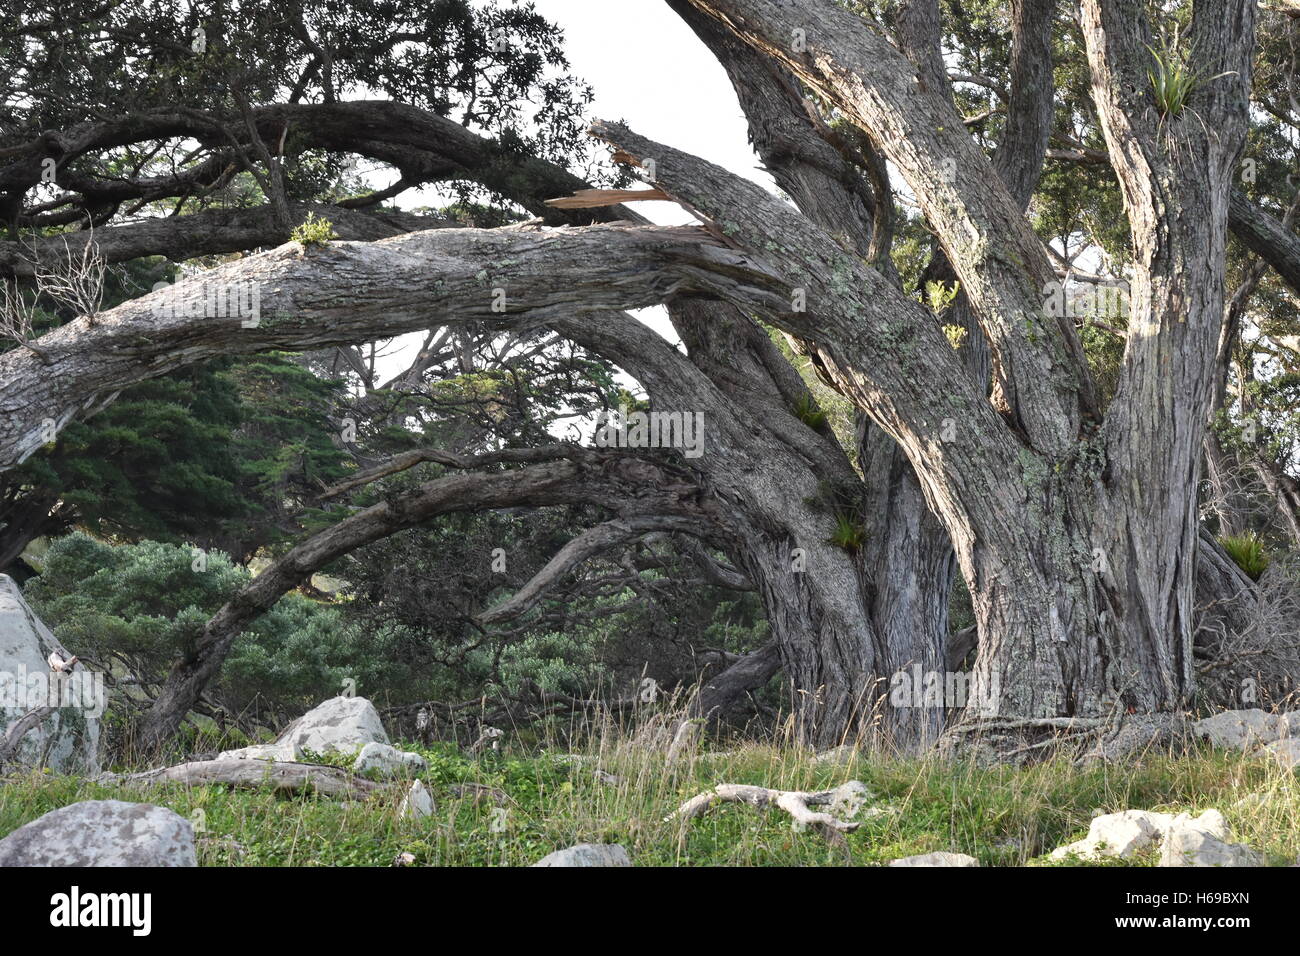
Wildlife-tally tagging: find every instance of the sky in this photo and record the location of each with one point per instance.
(647, 69)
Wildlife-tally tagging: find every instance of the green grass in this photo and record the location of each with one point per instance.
(1001, 815)
(849, 533)
(1247, 550)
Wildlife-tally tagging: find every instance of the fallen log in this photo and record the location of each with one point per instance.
(280, 776)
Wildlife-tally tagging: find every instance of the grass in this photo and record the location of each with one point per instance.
(1247, 550)
(849, 533)
(1001, 815)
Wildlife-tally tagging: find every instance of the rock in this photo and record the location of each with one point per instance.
(417, 803)
(343, 724)
(389, 761)
(1241, 729)
(872, 812)
(850, 797)
(1251, 801)
(1287, 751)
(1125, 833)
(1117, 834)
(1188, 846)
(588, 854)
(68, 739)
(1210, 822)
(339, 724)
(939, 858)
(102, 833)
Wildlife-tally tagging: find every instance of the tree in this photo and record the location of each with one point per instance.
(1071, 513)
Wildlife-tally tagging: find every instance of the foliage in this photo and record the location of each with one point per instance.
(939, 297)
(806, 410)
(223, 454)
(1172, 79)
(1247, 550)
(132, 610)
(313, 231)
(849, 532)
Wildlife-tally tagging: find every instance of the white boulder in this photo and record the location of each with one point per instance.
(417, 803)
(389, 761)
(1287, 751)
(1125, 833)
(275, 751)
(340, 724)
(1188, 846)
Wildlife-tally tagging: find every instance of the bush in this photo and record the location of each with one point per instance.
(313, 231)
(135, 609)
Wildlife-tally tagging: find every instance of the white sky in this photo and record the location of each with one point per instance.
(646, 68)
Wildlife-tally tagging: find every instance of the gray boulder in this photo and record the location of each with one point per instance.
(1241, 729)
(588, 854)
(68, 739)
(102, 833)
(389, 761)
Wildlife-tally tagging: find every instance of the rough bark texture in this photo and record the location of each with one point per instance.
(344, 291)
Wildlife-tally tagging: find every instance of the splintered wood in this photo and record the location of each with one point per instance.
(591, 198)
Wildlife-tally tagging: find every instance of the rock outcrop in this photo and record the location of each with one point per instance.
(67, 740)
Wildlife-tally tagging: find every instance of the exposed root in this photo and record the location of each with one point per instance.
(1084, 740)
(848, 797)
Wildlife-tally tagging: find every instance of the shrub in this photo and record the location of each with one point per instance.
(314, 231)
(1247, 550)
(134, 609)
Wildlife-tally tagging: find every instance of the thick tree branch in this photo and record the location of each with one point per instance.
(345, 292)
